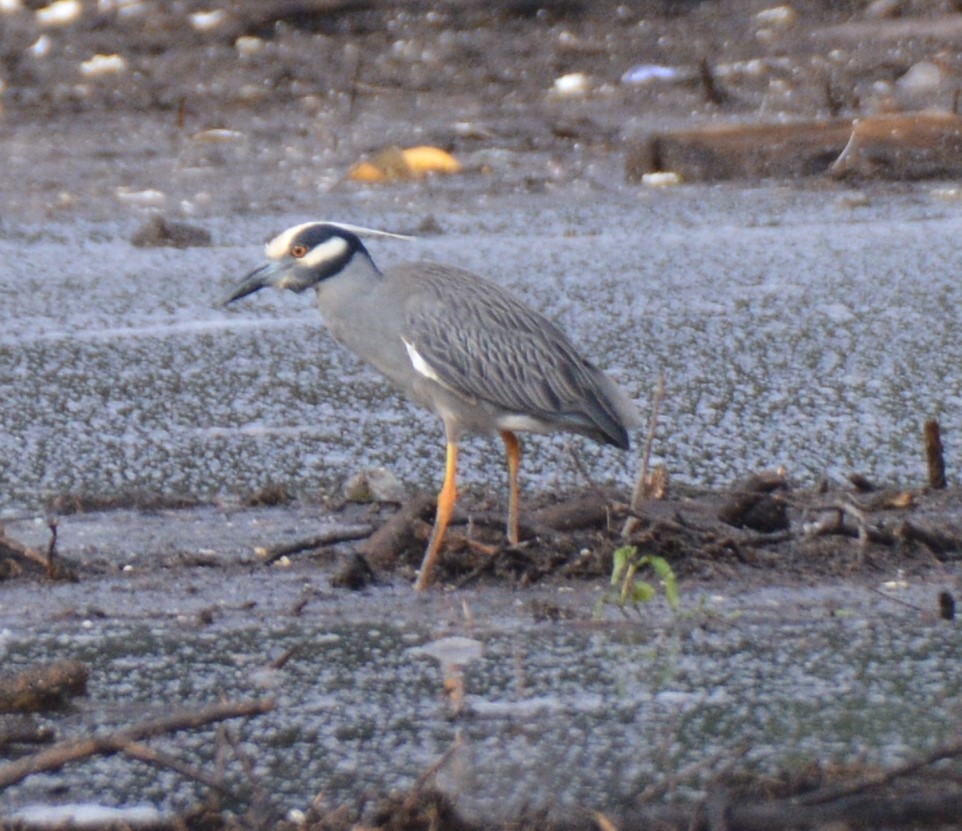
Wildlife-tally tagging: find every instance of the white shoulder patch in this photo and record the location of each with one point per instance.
(421, 366)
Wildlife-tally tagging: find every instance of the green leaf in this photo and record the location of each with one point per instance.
(642, 592)
(667, 575)
(622, 557)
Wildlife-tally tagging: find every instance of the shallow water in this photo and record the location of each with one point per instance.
(810, 329)
(769, 678)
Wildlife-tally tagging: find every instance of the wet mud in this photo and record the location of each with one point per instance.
(197, 566)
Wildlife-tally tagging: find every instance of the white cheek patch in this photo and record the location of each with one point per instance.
(330, 250)
(421, 366)
(280, 246)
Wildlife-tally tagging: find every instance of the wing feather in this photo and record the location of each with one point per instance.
(485, 345)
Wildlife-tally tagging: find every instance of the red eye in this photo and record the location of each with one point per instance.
(298, 251)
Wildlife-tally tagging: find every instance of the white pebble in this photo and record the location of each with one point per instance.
(217, 135)
(59, 13)
(247, 45)
(661, 179)
(574, 83)
(205, 21)
(648, 72)
(777, 16)
(40, 48)
(103, 65)
(121, 7)
(149, 198)
(921, 77)
(451, 651)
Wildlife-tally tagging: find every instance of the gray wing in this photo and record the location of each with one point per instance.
(486, 345)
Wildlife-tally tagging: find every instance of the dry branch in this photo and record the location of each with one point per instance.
(387, 545)
(934, 456)
(334, 535)
(146, 754)
(73, 750)
(643, 483)
(23, 730)
(17, 558)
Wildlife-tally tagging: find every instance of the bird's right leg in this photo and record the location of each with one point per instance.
(512, 446)
(446, 500)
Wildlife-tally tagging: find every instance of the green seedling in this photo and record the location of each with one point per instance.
(629, 589)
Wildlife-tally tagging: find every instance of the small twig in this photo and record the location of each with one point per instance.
(351, 52)
(934, 454)
(281, 662)
(334, 535)
(894, 599)
(641, 483)
(13, 547)
(435, 766)
(833, 793)
(939, 543)
(52, 545)
(846, 506)
(54, 571)
(73, 750)
(690, 772)
(486, 564)
(25, 732)
(143, 753)
(477, 545)
(713, 94)
(259, 800)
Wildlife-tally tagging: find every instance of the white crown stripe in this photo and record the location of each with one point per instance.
(280, 246)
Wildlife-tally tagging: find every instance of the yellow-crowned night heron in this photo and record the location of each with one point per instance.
(457, 344)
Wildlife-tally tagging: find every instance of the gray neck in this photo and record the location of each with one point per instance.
(347, 300)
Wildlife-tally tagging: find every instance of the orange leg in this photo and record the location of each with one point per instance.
(512, 444)
(446, 500)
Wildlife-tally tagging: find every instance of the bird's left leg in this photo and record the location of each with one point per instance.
(512, 444)
(446, 500)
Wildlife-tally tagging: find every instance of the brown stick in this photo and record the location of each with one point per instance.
(934, 455)
(883, 778)
(386, 545)
(143, 753)
(340, 533)
(640, 492)
(73, 750)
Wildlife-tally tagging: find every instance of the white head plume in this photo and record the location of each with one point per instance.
(279, 246)
(361, 231)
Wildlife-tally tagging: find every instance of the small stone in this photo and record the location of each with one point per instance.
(374, 485)
(60, 13)
(921, 78)
(158, 232)
(571, 85)
(882, 9)
(661, 179)
(783, 15)
(99, 65)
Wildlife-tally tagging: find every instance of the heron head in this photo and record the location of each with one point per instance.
(301, 257)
